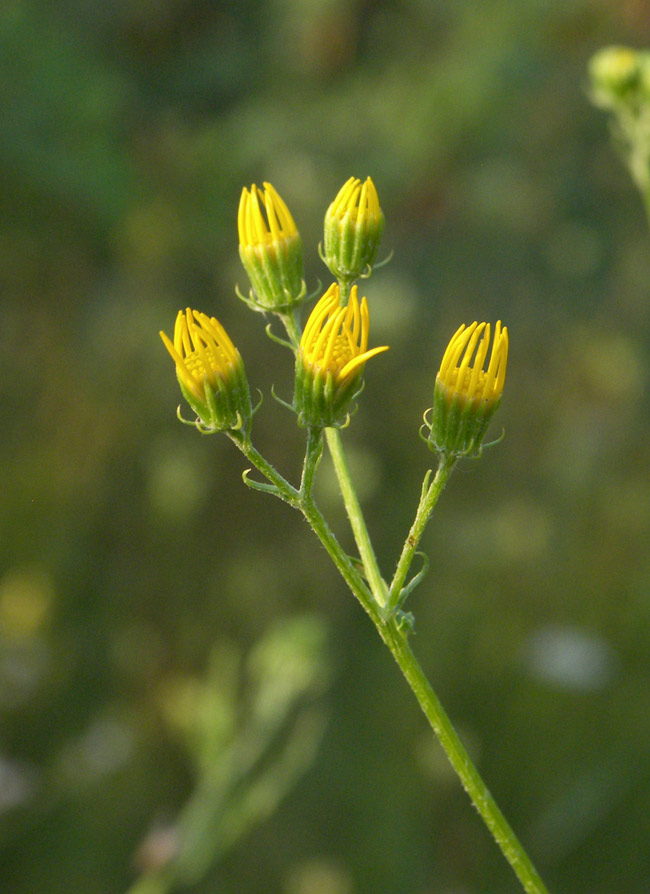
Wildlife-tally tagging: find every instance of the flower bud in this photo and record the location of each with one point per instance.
(210, 372)
(615, 74)
(466, 396)
(270, 249)
(354, 224)
(331, 358)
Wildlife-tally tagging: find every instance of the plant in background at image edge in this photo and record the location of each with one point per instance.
(619, 83)
(330, 355)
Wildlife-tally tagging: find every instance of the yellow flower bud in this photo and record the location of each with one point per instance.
(270, 250)
(330, 360)
(354, 224)
(466, 395)
(210, 372)
(615, 74)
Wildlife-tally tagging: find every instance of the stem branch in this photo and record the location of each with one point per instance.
(427, 503)
(357, 521)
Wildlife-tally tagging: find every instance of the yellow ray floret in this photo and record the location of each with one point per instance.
(335, 339)
(461, 371)
(202, 351)
(357, 199)
(257, 229)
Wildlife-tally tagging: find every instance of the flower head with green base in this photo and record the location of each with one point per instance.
(270, 249)
(465, 395)
(210, 372)
(330, 360)
(616, 74)
(354, 224)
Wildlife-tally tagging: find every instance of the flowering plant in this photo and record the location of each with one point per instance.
(330, 355)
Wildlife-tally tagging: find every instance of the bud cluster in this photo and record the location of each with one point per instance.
(620, 75)
(332, 352)
(620, 84)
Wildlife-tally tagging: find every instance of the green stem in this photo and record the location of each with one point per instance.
(303, 501)
(460, 760)
(428, 500)
(341, 559)
(345, 287)
(469, 776)
(357, 521)
(313, 454)
(396, 641)
(284, 490)
(292, 326)
(440, 723)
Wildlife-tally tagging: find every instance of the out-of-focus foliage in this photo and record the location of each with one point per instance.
(128, 545)
(247, 749)
(620, 84)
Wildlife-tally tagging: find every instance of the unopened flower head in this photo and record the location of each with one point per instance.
(354, 224)
(330, 360)
(270, 249)
(210, 372)
(466, 395)
(618, 75)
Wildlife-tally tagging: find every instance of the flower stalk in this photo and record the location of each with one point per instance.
(357, 521)
(430, 495)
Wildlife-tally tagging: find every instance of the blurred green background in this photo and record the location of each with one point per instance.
(130, 553)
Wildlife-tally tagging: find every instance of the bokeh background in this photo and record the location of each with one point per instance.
(148, 600)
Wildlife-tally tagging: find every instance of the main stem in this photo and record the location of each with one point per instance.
(469, 776)
(460, 760)
(396, 640)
